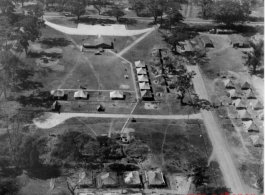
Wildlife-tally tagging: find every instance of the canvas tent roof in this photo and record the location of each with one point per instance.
(141, 71)
(87, 180)
(244, 114)
(100, 41)
(251, 95)
(257, 140)
(109, 178)
(132, 178)
(245, 85)
(143, 78)
(57, 93)
(155, 178)
(139, 64)
(146, 94)
(250, 126)
(206, 40)
(116, 94)
(258, 105)
(80, 94)
(228, 83)
(144, 86)
(238, 103)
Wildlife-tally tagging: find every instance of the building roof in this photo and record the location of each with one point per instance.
(257, 140)
(245, 85)
(100, 40)
(139, 64)
(132, 178)
(144, 85)
(57, 93)
(251, 95)
(143, 78)
(80, 94)
(146, 94)
(258, 104)
(228, 83)
(109, 178)
(141, 71)
(244, 114)
(87, 180)
(236, 38)
(250, 126)
(116, 94)
(155, 178)
(206, 40)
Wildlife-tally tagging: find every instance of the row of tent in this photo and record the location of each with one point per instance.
(230, 85)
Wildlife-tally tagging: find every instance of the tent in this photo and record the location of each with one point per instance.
(250, 126)
(238, 40)
(132, 178)
(139, 64)
(239, 104)
(251, 95)
(155, 178)
(257, 105)
(233, 94)
(100, 108)
(146, 94)
(141, 71)
(57, 93)
(116, 95)
(87, 181)
(80, 94)
(228, 84)
(144, 86)
(108, 179)
(245, 86)
(244, 115)
(207, 42)
(143, 78)
(257, 140)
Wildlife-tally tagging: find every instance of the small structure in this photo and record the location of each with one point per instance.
(100, 108)
(126, 135)
(108, 179)
(143, 78)
(57, 93)
(146, 95)
(144, 86)
(238, 41)
(257, 140)
(250, 126)
(155, 178)
(132, 178)
(244, 115)
(207, 41)
(228, 84)
(184, 46)
(256, 105)
(87, 181)
(245, 86)
(99, 43)
(139, 64)
(239, 104)
(233, 94)
(251, 95)
(116, 95)
(141, 71)
(80, 94)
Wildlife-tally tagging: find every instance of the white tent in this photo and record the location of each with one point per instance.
(139, 64)
(80, 94)
(244, 115)
(116, 95)
(142, 78)
(141, 71)
(250, 126)
(228, 84)
(239, 104)
(251, 95)
(144, 86)
(57, 93)
(245, 85)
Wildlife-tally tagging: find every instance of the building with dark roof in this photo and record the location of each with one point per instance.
(238, 41)
(108, 179)
(155, 178)
(207, 41)
(132, 178)
(100, 42)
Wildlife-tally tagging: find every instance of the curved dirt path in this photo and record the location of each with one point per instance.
(51, 119)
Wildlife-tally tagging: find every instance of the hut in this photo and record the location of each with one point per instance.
(99, 43)
(250, 126)
(87, 181)
(143, 78)
(207, 41)
(144, 86)
(141, 71)
(155, 178)
(239, 104)
(116, 95)
(57, 94)
(228, 84)
(233, 94)
(146, 95)
(108, 179)
(132, 178)
(257, 140)
(238, 41)
(251, 95)
(256, 105)
(80, 94)
(244, 115)
(100, 108)
(139, 64)
(245, 86)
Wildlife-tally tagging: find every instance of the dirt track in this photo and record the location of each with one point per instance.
(220, 145)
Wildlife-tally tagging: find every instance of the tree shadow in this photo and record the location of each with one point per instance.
(93, 21)
(43, 53)
(55, 42)
(44, 172)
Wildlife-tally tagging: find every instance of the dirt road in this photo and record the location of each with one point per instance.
(220, 145)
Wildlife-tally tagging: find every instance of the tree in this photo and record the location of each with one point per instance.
(199, 168)
(9, 186)
(174, 15)
(99, 4)
(260, 184)
(137, 5)
(255, 58)
(206, 7)
(117, 11)
(78, 8)
(231, 12)
(6, 6)
(215, 190)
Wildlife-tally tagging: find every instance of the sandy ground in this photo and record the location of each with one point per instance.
(111, 30)
(181, 184)
(50, 120)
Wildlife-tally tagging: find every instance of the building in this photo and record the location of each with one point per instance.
(250, 127)
(143, 78)
(244, 115)
(251, 95)
(155, 178)
(141, 71)
(144, 86)
(80, 94)
(57, 94)
(239, 104)
(184, 46)
(116, 95)
(139, 64)
(256, 105)
(132, 178)
(108, 179)
(233, 94)
(100, 42)
(147, 95)
(87, 181)
(257, 140)
(245, 86)
(207, 42)
(126, 135)
(238, 41)
(228, 84)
